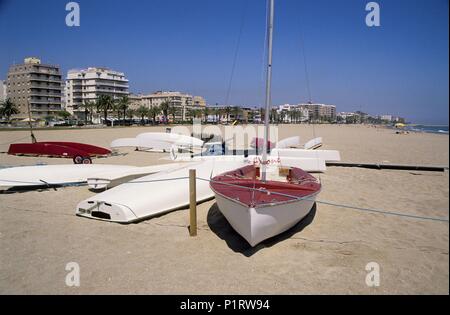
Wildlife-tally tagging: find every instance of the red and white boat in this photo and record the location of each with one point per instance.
(261, 207)
(258, 209)
(80, 153)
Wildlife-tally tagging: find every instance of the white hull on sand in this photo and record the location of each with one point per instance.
(258, 224)
(313, 144)
(153, 194)
(54, 175)
(108, 179)
(157, 142)
(288, 143)
(259, 209)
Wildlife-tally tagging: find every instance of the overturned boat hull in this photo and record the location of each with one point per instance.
(111, 178)
(58, 149)
(54, 175)
(153, 194)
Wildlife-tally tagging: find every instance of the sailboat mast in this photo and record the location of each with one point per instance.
(268, 102)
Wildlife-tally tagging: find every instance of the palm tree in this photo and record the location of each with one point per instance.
(262, 113)
(236, 111)
(88, 110)
(165, 108)
(153, 112)
(116, 108)
(228, 112)
(173, 111)
(124, 103)
(142, 112)
(251, 116)
(105, 103)
(8, 108)
(273, 115)
(206, 113)
(131, 113)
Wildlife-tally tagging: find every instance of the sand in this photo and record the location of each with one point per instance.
(325, 254)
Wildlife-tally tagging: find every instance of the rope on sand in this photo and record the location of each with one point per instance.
(334, 204)
(329, 203)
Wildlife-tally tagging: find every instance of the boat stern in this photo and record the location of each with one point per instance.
(104, 211)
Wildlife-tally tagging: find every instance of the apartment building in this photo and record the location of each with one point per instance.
(36, 83)
(88, 84)
(3, 94)
(293, 113)
(320, 111)
(182, 102)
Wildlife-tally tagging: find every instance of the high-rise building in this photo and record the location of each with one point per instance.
(3, 94)
(87, 85)
(36, 83)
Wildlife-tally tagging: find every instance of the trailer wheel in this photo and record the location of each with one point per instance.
(78, 159)
(87, 161)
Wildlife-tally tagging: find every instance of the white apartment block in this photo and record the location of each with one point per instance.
(3, 94)
(88, 84)
(386, 117)
(290, 109)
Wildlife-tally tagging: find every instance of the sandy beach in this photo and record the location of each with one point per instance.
(324, 254)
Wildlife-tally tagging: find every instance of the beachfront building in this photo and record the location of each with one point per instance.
(185, 104)
(387, 118)
(320, 112)
(292, 113)
(88, 84)
(230, 114)
(36, 83)
(135, 101)
(3, 94)
(310, 112)
(348, 118)
(391, 119)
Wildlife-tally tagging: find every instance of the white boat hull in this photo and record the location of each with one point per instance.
(108, 179)
(41, 175)
(153, 194)
(313, 144)
(258, 224)
(288, 143)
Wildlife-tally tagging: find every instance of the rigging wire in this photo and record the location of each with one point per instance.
(236, 52)
(307, 78)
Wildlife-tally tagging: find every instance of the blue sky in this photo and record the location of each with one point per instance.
(400, 67)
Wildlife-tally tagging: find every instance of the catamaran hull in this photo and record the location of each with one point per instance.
(258, 224)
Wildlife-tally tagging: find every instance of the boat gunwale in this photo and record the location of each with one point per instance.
(271, 204)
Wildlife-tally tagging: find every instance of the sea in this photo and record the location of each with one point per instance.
(428, 128)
